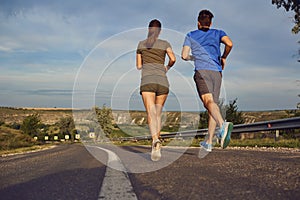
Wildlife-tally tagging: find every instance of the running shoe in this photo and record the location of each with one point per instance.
(155, 153)
(225, 134)
(205, 146)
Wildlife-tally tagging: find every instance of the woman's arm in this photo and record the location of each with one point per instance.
(139, 63)
(172, 58)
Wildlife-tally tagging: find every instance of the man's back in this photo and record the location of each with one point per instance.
(205, 46)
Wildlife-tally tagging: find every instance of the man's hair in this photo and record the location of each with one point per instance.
(205, 17)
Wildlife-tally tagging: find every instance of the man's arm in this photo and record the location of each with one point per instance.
(228, 46)
(185, 53)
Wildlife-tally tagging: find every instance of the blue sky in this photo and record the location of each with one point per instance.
(50, 50)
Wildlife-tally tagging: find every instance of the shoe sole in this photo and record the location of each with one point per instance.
(208, 150)
(228, 135)
(155, 154)
(202, 152)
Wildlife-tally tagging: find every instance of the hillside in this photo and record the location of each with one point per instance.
(47, 115)
(258, 116)
(52, 115)
(11, 138)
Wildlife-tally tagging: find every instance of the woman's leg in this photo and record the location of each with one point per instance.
(159, 104)
(149, 103)
(154, 105)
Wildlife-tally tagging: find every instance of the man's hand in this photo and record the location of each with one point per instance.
(185, 54)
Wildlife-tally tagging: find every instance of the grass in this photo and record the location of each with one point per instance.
(12, 139)
(253, 142)
(265, 142)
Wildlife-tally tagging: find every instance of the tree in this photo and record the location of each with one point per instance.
(31, 124)
(291, 5)
(66, 126)
(203, 120)
(232, 113)
(298, 104)
(105, 119)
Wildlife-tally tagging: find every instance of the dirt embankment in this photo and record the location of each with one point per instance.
(47, 115)
(53, 115)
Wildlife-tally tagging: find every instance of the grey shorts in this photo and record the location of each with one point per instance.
(208, 81)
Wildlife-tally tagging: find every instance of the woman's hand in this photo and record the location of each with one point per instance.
(167, 68)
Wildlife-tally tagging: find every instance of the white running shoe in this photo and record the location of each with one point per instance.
(155, 153)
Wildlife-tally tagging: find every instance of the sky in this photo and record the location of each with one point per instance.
(78, 53)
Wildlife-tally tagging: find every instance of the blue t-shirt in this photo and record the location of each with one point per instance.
(205, 47)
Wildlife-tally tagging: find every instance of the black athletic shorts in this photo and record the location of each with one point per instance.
(156, 88)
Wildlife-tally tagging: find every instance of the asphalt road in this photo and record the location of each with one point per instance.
(71, 172)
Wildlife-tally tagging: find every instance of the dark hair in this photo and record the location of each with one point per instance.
(153, 32)
(205, 17)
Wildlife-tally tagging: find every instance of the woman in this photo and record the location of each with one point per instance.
(154, 88)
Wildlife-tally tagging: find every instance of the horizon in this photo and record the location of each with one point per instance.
(83, 109)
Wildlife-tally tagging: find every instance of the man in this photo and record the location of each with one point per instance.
(204, 45)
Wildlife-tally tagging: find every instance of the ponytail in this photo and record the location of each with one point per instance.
(153, 33)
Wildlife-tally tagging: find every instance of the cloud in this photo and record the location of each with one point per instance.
(44, 43)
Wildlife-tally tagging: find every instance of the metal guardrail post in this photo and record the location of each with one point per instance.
(276, 135)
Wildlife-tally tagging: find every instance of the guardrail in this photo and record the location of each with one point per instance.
(281, 124)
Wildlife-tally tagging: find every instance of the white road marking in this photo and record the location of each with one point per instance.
(116, 183)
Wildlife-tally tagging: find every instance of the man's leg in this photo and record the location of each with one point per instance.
(213, 109)
(208, 86)
(214, 119)
(211, 129)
